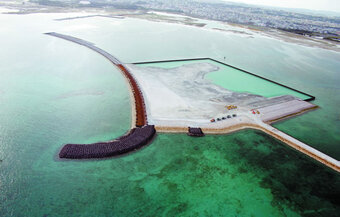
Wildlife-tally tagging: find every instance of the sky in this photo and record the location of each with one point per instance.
(323, 5)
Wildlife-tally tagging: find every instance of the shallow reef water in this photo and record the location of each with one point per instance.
(53, 92)
(243, 174)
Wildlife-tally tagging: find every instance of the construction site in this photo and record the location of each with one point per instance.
(181, 100)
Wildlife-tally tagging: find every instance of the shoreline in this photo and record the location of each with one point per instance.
(175, 18)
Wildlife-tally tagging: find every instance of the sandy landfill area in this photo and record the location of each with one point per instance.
(182, 97)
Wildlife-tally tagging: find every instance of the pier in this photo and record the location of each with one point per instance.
(300, 146)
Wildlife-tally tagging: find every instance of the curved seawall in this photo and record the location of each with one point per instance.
(141, 118)
(136, 138)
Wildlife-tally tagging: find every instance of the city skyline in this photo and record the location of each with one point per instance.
(317, 5)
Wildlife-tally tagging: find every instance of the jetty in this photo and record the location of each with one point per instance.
(138, 136)
(300, 146)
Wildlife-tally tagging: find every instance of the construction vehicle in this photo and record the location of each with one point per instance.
(230, 107)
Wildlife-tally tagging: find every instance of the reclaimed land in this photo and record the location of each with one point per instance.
(194, 101)
(135, 138)
(270, 110)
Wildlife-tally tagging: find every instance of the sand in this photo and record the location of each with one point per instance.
(182, 97)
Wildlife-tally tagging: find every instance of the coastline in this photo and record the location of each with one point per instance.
(174, 18)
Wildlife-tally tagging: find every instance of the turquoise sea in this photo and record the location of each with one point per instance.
(54, 92)
(235, 80)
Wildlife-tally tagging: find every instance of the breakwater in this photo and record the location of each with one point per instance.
(135, 138)
(141, 118)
